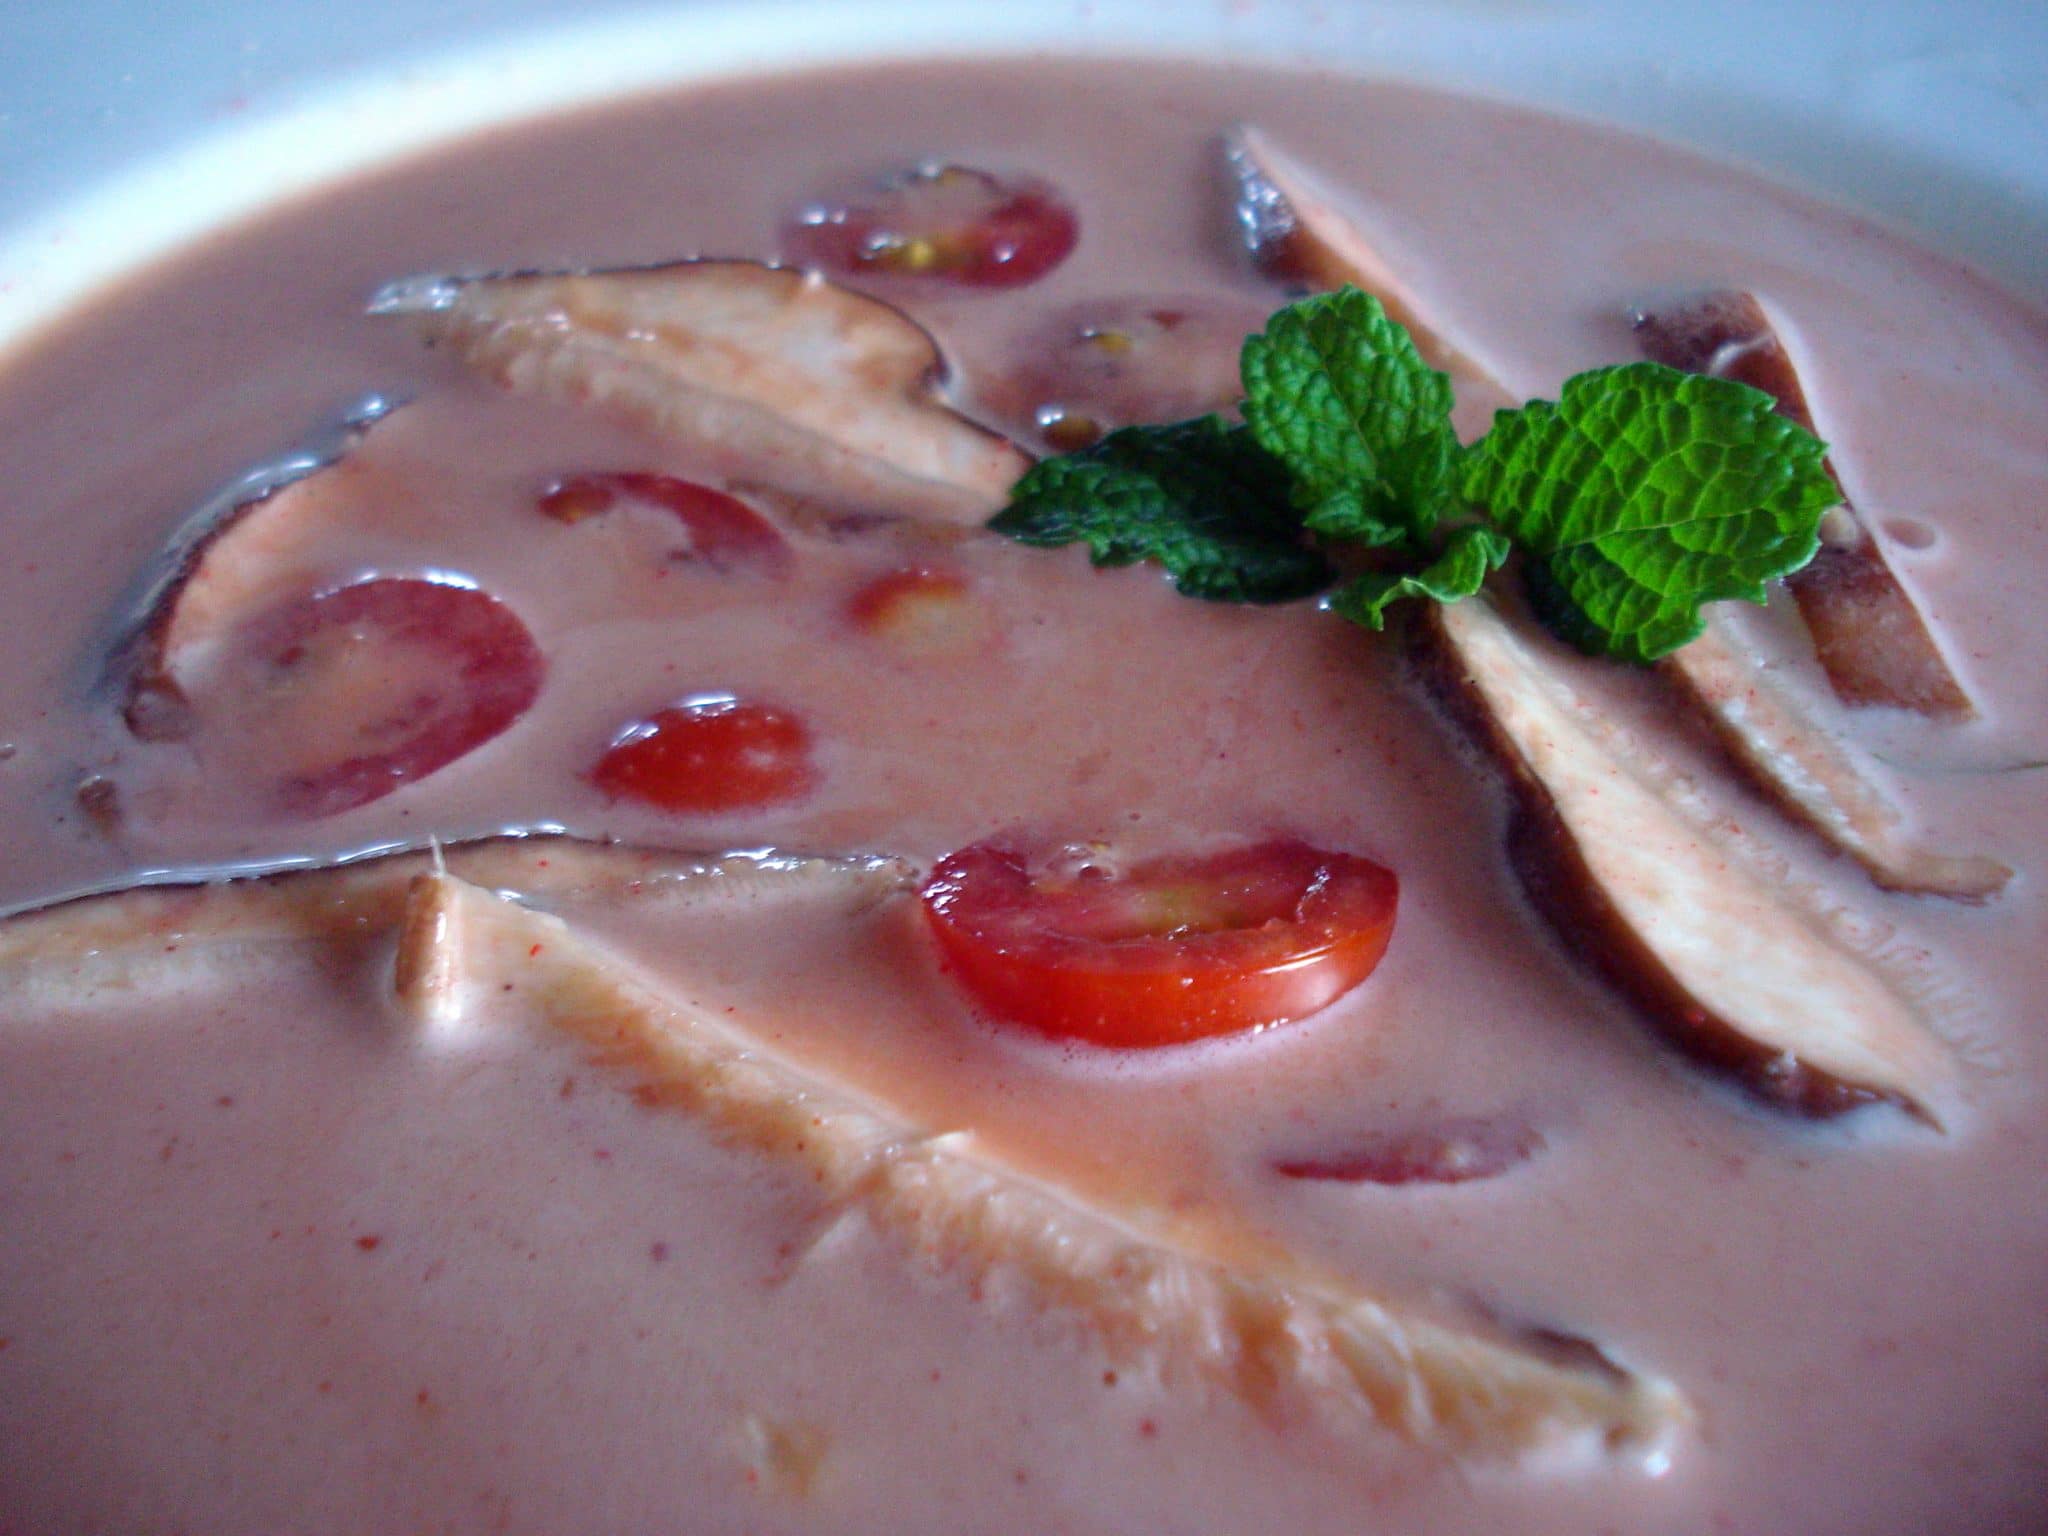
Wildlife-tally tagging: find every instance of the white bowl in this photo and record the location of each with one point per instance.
(125, 130)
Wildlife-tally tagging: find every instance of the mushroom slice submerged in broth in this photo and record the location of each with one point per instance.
(1872, 641)
(1297, 234)
(476, 951)
(116, 939)
(250, 541)
(307, 685)
(1725, 966)
(1786, 752)
(804, 385)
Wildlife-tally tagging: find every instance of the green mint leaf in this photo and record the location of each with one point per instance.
(1200, 497)
(1645, 492)
(1337, 392)
(1468, 557)
(1554, 608)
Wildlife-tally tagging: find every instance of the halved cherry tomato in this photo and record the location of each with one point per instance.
(922, 612)
(1168, 950)
(944, 223)
(709, 755)
(1129, 361)
(724, 533)
(356, 691)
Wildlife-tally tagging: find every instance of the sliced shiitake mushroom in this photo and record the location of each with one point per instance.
(1872, 640)
(1297, 236)
(228, 553)
(1815, 773)
(816, 390)
(1716, 957)
(298, 679)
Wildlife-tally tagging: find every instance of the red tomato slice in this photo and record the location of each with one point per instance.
(725, 534)
(1109, 363)
(922, 613)
(1169, 950)
(943, 223)
(708, 756)
(365, 688)
(1455, 1150)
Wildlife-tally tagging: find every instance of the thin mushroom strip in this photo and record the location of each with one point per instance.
(1722, 963)
(216, 565)
(1871, 638)
(806, 386)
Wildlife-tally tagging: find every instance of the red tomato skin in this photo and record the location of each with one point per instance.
(726, 535)
(874, 604)
(1328, 918)
(922, 613)
(939, 224)
(1107, 363)
(708, 757)
(1457, 1149)
(490, 673)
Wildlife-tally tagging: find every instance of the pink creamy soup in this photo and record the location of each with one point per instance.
(273, 1265)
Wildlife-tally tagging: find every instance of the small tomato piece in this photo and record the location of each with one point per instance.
(1169, 950)
(723, 533)
(921, 613)
(938, 223)
(1121, 362)
(1454, 1150)
(709, 756)
(349, 694)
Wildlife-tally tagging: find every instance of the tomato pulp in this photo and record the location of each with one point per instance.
(709, 756)
(1168, 950)
(922, 613)
(362, 689)
(939, 223)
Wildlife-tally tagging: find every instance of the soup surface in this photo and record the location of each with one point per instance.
(278, 1259)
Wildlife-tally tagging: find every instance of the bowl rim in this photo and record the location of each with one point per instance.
(1933, 119)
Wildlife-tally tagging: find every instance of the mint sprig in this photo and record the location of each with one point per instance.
(1469, 555)
(1200, 497)
(1640, 495)
(1646, 492)
(1336, 391)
